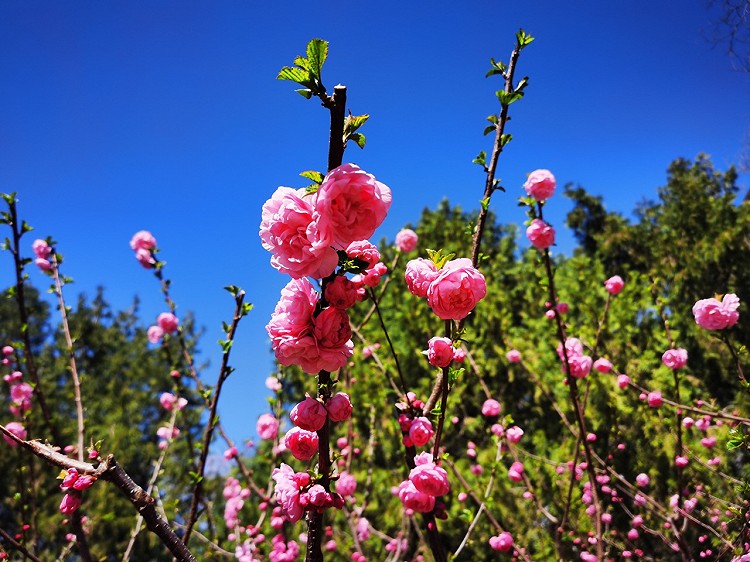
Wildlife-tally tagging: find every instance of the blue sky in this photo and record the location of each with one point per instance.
(166, 116)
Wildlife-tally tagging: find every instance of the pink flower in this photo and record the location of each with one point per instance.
(573, 348)
(459, 354)
(287, 492)
(603, 365)
(141, 240)
(289, 232)
(349, 205)
(8, 350)
(302, 444)
(502, 542)
(540, 234)
(13, 378)
(456, 290)
(346, 485)
(273, 384)
(84, 482)
(21, 392)
(675, 358)
(623, 381)
(714, 315)
(70, 503)
(420, 431)
(170, 402)
(580, 366)
(429, 478)
(267, 426)
(540, 185)
(515, 472)
(514, 434)
(309, 414)
(414, 499)
(654, 399)
(709, 442)
(614, 285)
(406, 240)
(168, 322)
(642, 480)
(43, 264)
(342, 293)
(41, 249)
(365, 251)
(154, 334)
(16, 429)
(231, 453)
(332, 334)
(513, 356)
(681, 462)
(419, 274)
(145, 258)
(491, 408)
(440, 352)
(339, 407)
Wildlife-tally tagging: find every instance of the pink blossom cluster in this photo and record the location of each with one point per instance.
(296, 492)
(713, 314)
(300, 337)
(303, 231)
(143, 244)
(283, 550)
(452, 292)
(166, 323)
(20, 394)
(426, 482)
(166, 434)
(235, 495)
(42, 250)
(580, 364)
(7, 354)
(73, 484)
(171, 402)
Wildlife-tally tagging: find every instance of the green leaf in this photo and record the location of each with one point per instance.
(312, 175)
(354, 122)
(358, 138)
(305, 93)
(505, 139)
(481, 158)
(507, 98)
(485, 203)
(523, 39)
(489, 129)
(298, 75)
(246, 307)
(317, 53)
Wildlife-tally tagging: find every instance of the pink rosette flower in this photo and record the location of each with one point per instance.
(580, 366)
(515, 472)
(675, 358)
(267, 426)
(603, 365)
(655, 399)
(339, 407)
(16, 429)
(289, 232)
(332, 334)
(41, 249)
(365, 251)
(346, 485)
(614, 285)
(514, 434)
(291, 324)
(419, 274)
(623, 381)
(540, 185)
(513, 356)
(43, 264)
(491, 408)
(342, 293)
(155, 334)
(440, 351)
(70, 503)
(456, 290)
(230, 453)
(309, 414)
(145, 258)
(429, 478)
(540, 234)
(302, 444)
(168, 322)
(406, 240)
(420, 431)
(287, 491)
(21, 392)
(414, 499)
(170, 402)
(714, 315)
(502, 542)
(349, 205)
(141, 240)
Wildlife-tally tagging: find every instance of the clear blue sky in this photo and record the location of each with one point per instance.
(166, 116)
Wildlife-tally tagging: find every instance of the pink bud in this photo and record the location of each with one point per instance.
(309, 414)
(654, 399)
(339, 407)
(614, 284)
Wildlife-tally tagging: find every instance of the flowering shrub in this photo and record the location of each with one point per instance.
(511, 440)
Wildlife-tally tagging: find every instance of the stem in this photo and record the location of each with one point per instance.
(224, 373)
(18, 546)
(71, 355)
